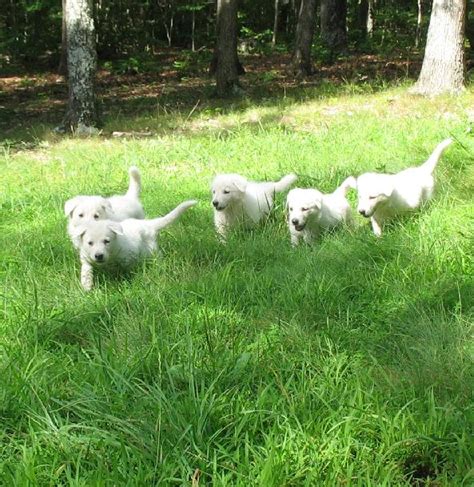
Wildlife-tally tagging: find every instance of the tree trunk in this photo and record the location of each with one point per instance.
(193, 29)
(81, 114)
(333, 24)
(362, 15)
(275, 22)
(62, 68)
(443, 67)
(169, 30)
(418, 23)
(370, 18)
(301, 61)
(470, 25)
(226, 60)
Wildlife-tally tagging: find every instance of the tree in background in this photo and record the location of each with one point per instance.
(62, 68)
(333, 24)
(81, 114)
(443, 69)
(470, 25)
(225, 55)
(301, 62)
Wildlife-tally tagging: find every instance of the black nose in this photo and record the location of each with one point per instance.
(99, 257)
(362, 212)
(295, 221)
(215, 203)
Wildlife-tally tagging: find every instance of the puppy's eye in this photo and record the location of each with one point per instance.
(372, 197)
(304, 209)
(291, 209)
(106, 241)
(90, 243)
(213, 191)
(96, 216)
(226, 191)
(81, 215)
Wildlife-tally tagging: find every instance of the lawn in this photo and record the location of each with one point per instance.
(251, 363)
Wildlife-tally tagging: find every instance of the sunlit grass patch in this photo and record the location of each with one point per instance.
(348, 362)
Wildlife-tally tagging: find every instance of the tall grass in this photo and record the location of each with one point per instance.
(345, 363)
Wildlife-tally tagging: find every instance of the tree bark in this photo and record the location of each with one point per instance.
(226, 60)
(275, 22)
(301, 62)
(470, 25)
(62, 68)
(418, 23)
(370, 18)
(81, 114)
(443, 69)
(333, 24)
(193, 29)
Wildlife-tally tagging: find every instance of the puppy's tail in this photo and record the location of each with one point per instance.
(135, 185)
(347, 184)
(430, 164)
(162, 222)
(285, 182)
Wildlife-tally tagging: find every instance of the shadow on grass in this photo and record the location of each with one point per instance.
(33, 105)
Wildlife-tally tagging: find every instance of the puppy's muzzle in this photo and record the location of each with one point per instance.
(99, 257)
(296, 223)
(215, 204)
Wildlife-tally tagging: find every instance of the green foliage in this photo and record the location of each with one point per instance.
(134, 28)
(345, 363)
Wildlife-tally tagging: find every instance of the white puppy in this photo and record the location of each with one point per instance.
(310, 211)
(382, 196)
(237, 200)
(106, 242)
(82, 209)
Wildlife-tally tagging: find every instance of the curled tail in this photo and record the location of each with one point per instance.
(285, 182)
(348, 183)
(430, 164)
(135, 184)
(160, 223)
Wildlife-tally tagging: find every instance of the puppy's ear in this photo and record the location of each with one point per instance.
(78, 232)
(70, 205)
(316, 204)
(386, 188)
(107, 206)
(241, 185)
(116, 228)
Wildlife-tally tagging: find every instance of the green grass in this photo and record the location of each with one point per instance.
(346, 363)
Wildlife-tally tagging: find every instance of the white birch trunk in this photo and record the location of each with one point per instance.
(370, 18)
(443, 69)
(418, 23)
(81, 115)
(275, 22)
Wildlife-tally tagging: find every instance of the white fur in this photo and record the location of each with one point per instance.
(382, 196)
(105, 243)
(237, 200)
(82, 209)
(310, 211)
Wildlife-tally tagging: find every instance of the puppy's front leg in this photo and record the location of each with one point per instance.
(87, 275)
(220, 223)
(309, 237)
(295, 239)
(376, 226)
